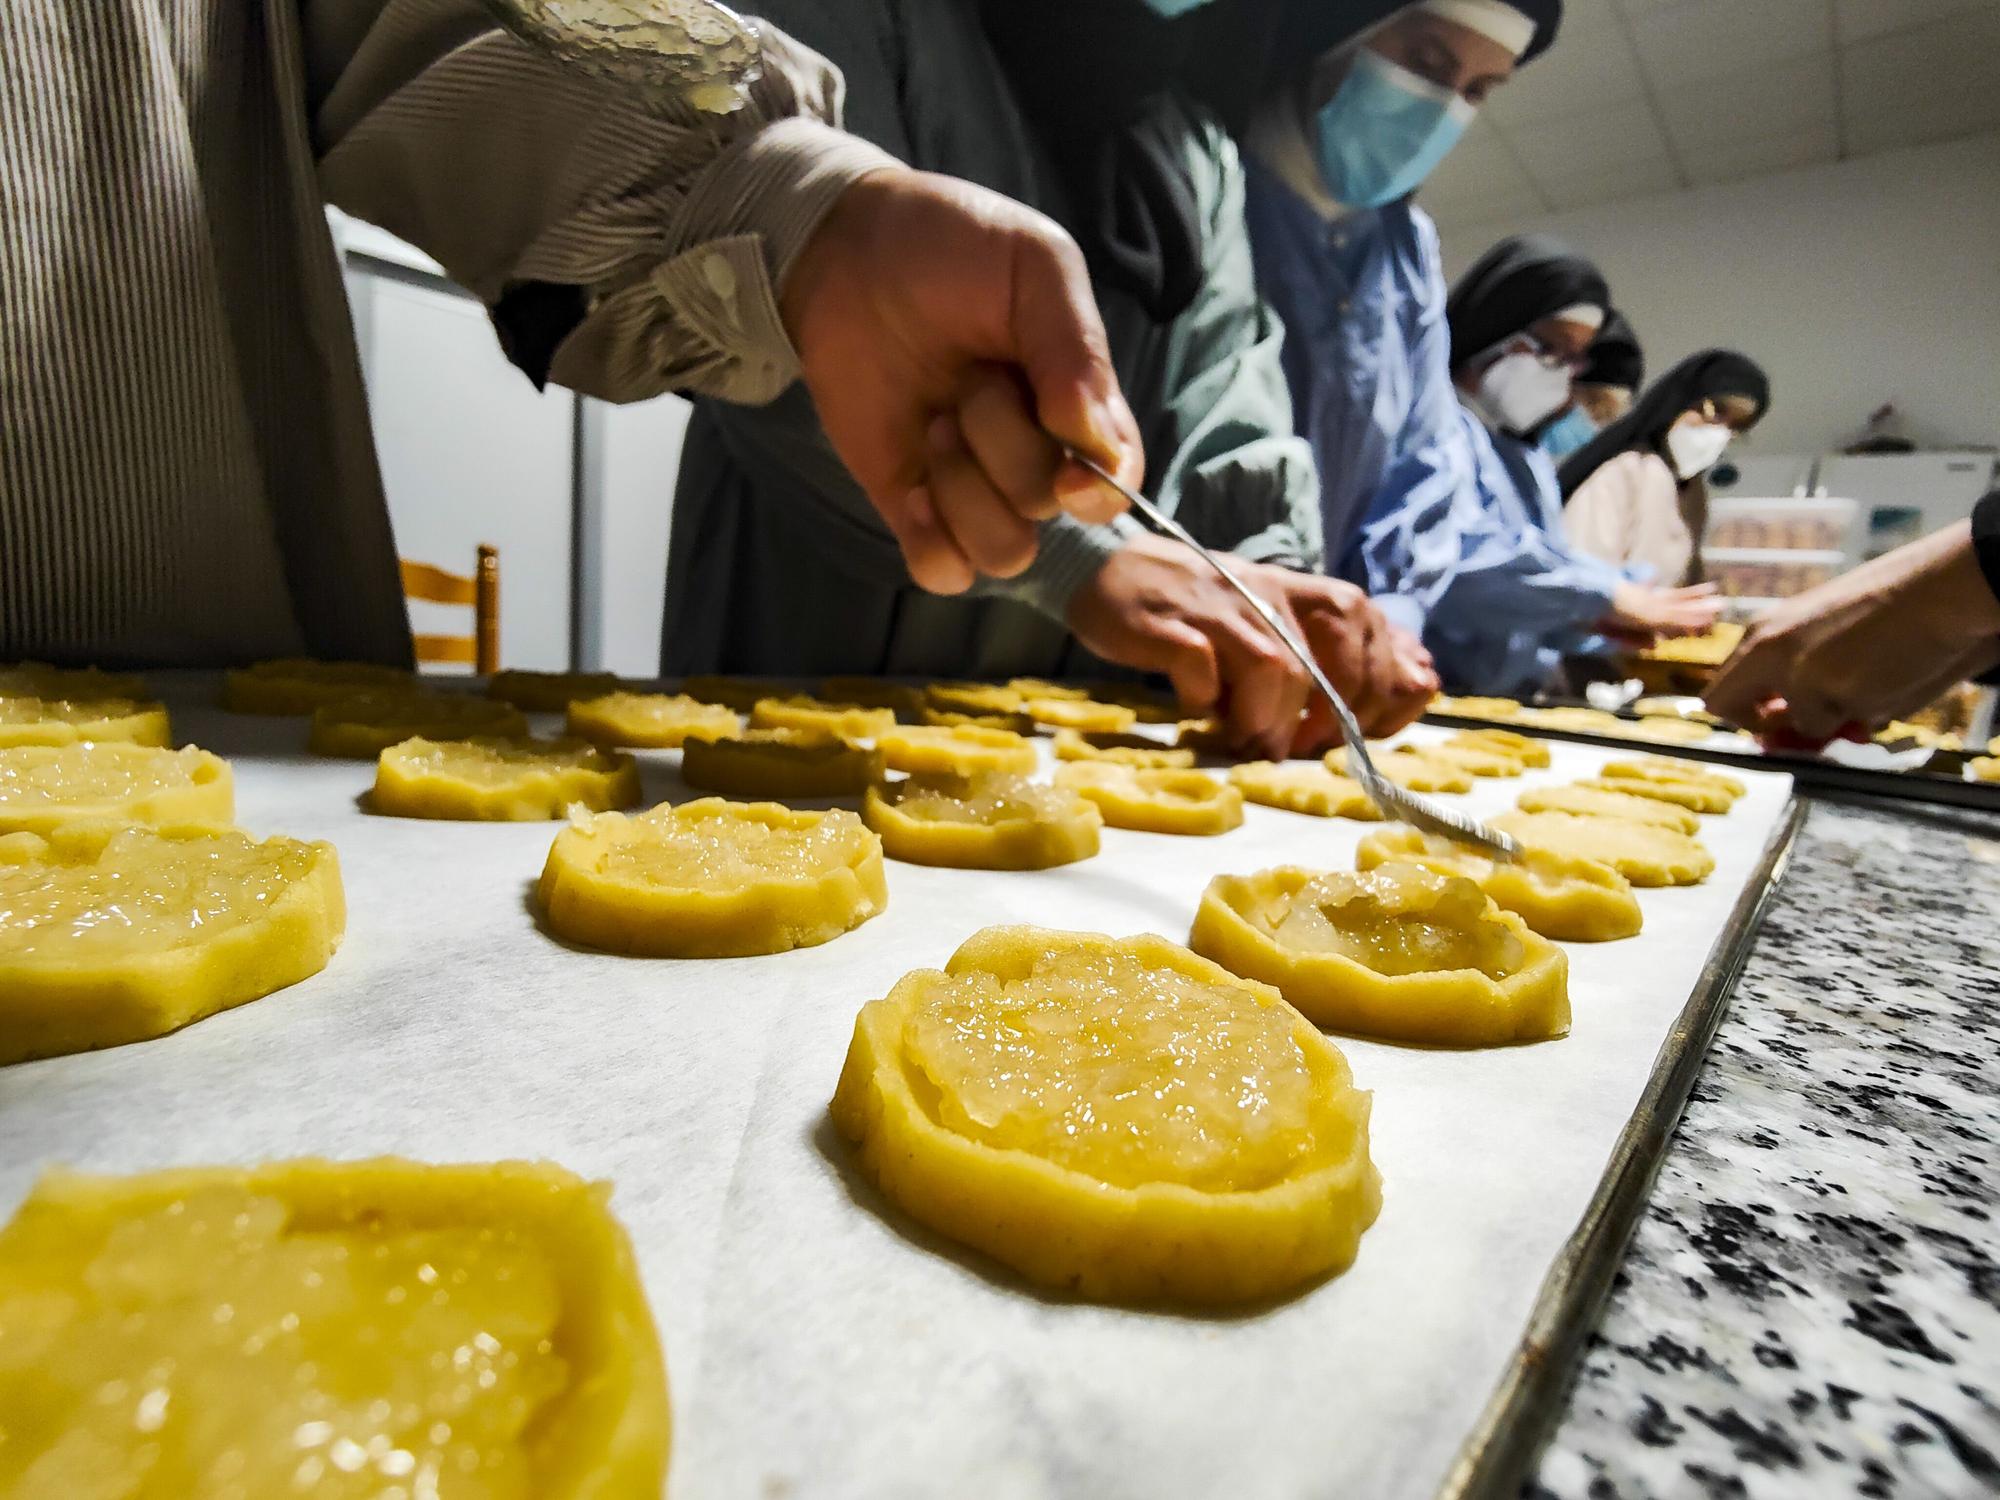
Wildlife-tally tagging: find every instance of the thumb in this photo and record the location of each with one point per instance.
(1060, 342)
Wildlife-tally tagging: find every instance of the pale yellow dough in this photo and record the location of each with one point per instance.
(711, 879)
(1304, 787)
(945, 718)
(1475, 758)
(1475, 708)
(1528, 750)
(1985, 767)
(43, 786)
(363, 726)
(987, 822)
(1042, 687)
(739, 693)
(1665, 731)
(34, 679)
(1148, 706)
(652, 721)
(1083, 714)
(1155, 800)
(549, 692)
(297, 686)
(1644, 853)
(1601, 799)
(1411, 766)
(1558, 895)
(501, 780)
(958, 750)
(1400, 952)
(848, 720)
(901, 699)
(1112, 1118)
(781, 763)
(380, 1328)
(1691, 785)
(974, 698)
(72, 721)
(111, 935)
(1121, 749)
(1580, 720)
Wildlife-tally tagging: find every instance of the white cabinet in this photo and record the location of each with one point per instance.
(630, 455)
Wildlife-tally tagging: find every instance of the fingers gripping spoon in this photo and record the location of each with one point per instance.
(1395, 801)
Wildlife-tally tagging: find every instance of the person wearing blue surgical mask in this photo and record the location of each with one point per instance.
(1613, 370)
(1351, 265)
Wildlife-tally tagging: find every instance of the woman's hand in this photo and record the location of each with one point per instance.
(1647, 612)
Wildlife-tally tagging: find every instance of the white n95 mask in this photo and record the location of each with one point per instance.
(1519, 391)
(1695, 447)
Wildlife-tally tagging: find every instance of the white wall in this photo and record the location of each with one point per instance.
(631, 455)
(1853, 284)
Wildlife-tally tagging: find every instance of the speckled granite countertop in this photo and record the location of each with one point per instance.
(1811, 1304)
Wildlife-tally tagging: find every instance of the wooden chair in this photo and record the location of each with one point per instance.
(481, 649)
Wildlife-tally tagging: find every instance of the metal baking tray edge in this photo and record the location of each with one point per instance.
(1810, 773)
(1499, 1454)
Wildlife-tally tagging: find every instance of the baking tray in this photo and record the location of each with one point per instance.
(820, 1345)
(1813, 773)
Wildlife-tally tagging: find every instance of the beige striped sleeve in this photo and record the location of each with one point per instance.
(507, 167)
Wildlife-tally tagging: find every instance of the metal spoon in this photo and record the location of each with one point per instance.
(1395, 801)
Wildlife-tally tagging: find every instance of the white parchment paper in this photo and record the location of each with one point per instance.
(818, 1343)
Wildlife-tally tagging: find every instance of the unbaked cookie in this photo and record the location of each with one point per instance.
(1644, 853)
(112, 935)
(848, 720)
(958, 750)
(549, 692)
(1400, 952)
(738, 693)
(380, 1328)
(1558, 895)
(1121, 749)
(1602, 799)
(295, 685)
(1529, 751)
(651, 721)
(711, 879)
(1475, 758)
(901, 699)
(974, 698)
(34, 679)
(501, 780)
(781, 763)
(1116, 1119)
(70, 721)
(945, 718)
(983, 822)
(1410, 766)
(1083, 714)
(43, 786)
(1155, 800)
(1692, 786)
(1475, 708)
(1304, 787)
(363, 726)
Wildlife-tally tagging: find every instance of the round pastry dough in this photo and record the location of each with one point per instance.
(1121, 749)
(1524, 748)
(501, 780)
(44, 786)
(973, 698)
(71, 721)
(1117, 1119)
(1070, 713)
(549, 692)
(1558, 895)
(1644, 853)
(1400, 952)
(1984, 767)
(1601, 799)
(297, 686)
(1304, 787)
(1666, 731)
(363, 726)
(1578, 720)
(114, 935)
(1041, 687)
(901, 699)
(653, 721)
(711, 879)
(1156, 800)
(1149, 707)
(848, 720)
(958, 750)
(1478, 759)
(1411, 766)
(781, 763)
(1475, 707)
(738, 693)
(1662, 707)
(35, 679)
(945, 718)
(304, 1318)
(982, 822)
(1692, 786)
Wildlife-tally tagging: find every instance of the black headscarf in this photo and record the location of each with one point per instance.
(1614, 357)
(1521, 280)
(1713, 372)
(1091, 76)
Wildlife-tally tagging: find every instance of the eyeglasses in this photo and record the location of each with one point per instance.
(1552, 358)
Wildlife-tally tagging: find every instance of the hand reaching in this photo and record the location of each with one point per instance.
(1644, 612)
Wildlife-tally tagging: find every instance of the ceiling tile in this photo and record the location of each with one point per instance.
(1749, 104)
(1588, 142)
(1759, 156)
(1580, 72)
(1681, 40)
(1858, 20)
(1634, 180)
(1481, 178)
(1927, 84)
